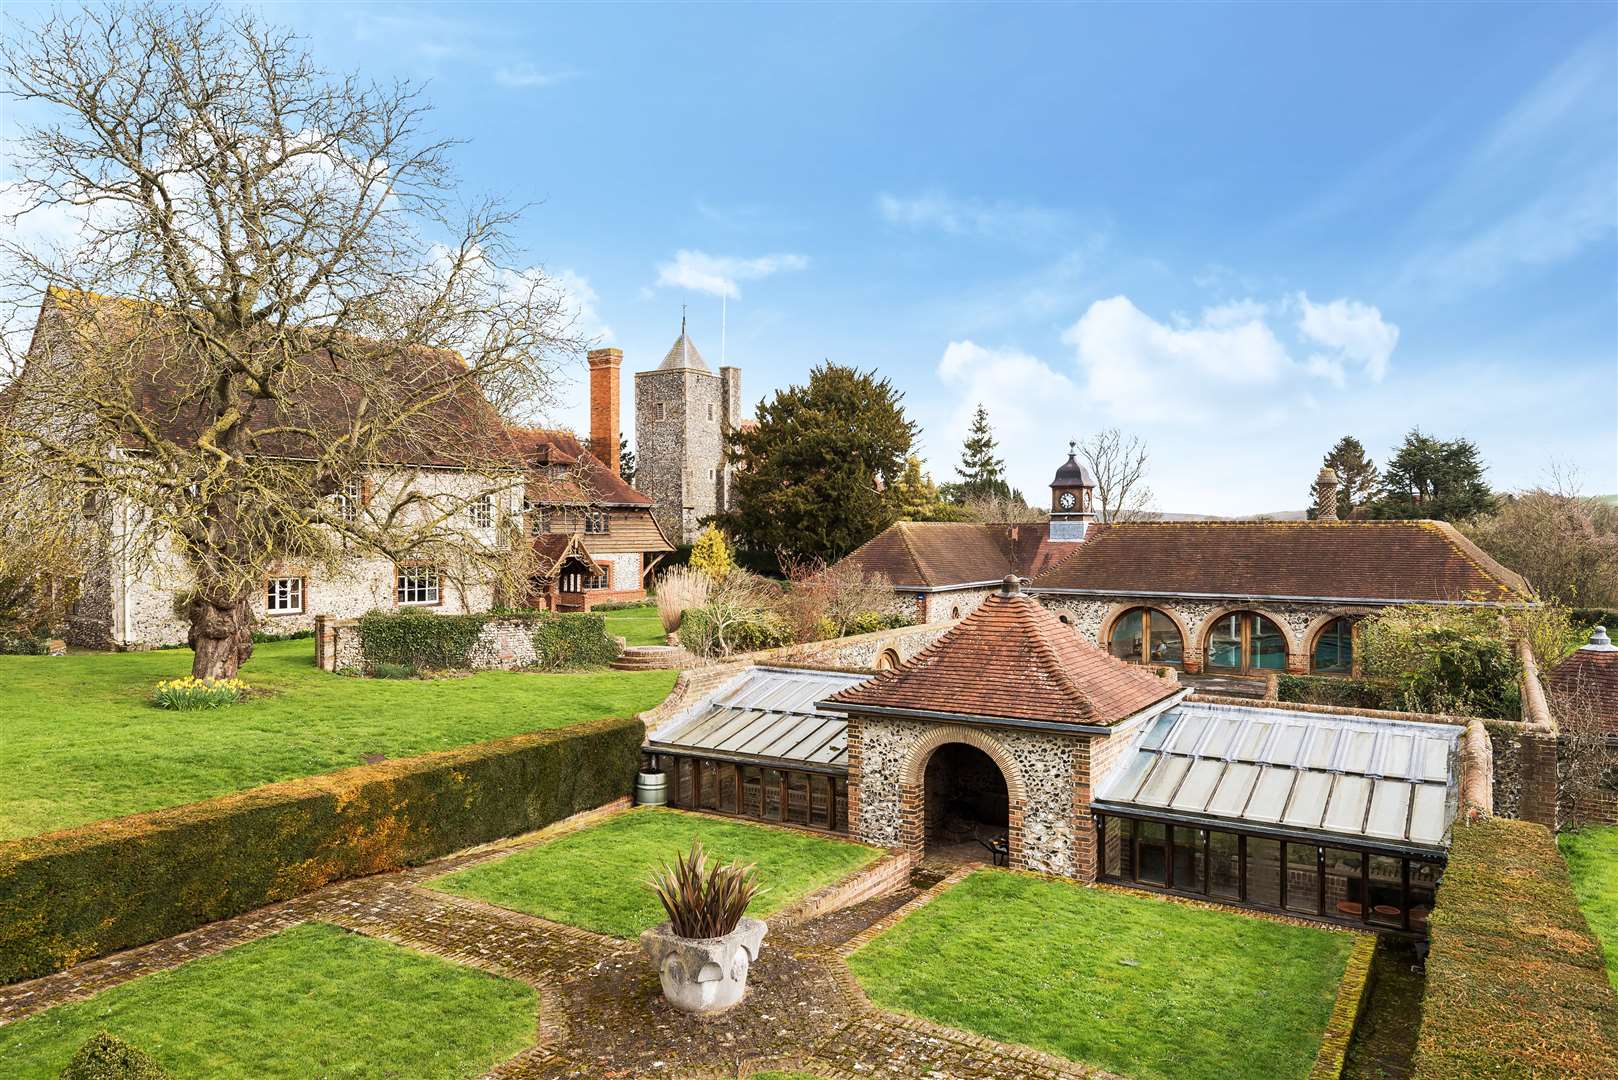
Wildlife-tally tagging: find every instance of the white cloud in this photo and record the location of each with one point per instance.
(718, 275)
(527, 76)
(1350, 331)
(942, 212)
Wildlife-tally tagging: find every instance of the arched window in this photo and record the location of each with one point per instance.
(1146, 636)
(1334, 648)
(955, 612)
(888, 660)
(1245, 641)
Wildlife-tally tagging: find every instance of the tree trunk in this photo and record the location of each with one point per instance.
(221, 635)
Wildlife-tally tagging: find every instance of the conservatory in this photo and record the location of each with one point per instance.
(1334, 817)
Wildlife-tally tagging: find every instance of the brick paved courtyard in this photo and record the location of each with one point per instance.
(601, 1012)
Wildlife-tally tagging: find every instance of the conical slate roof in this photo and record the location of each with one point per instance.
(1011, 659)
(683, 354)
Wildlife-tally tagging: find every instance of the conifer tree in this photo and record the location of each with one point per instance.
(1356, 475)
(982, 473)
(1434, 478)
(626, 460)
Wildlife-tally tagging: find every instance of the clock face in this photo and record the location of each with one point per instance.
(1067, 500)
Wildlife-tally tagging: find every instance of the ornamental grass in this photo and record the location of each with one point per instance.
(194, 693)
(703, 902)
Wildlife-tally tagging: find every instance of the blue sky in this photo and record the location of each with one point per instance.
(1238, 231)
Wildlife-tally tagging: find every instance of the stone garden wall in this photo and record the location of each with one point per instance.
(860, 651)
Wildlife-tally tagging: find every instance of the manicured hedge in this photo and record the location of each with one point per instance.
(571, 640)
(1516, 983)
(72, 895)
(420, 639)
(1331, 690)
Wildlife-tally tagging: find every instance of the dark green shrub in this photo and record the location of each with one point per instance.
(388, 670)
(1331, 690)
(1516, 984)
(106, 1057)
(1444, 660)
(700, 634)
(571, 640)
(72, 895)
(420, 640)
(261, 637)
(21, 645)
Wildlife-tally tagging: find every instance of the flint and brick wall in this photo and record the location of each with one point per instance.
(502, 645)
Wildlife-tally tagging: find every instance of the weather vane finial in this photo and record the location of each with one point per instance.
(682, 320)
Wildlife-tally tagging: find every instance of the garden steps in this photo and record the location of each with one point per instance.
(653, 658)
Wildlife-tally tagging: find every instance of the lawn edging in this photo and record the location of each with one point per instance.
(1516, 983)
(1352, 992)
(84, 892)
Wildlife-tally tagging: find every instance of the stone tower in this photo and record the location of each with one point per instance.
(683, 413)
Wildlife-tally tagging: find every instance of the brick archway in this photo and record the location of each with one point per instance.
(913, 786)
(1313, 631)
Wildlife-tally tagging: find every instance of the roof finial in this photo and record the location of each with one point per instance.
(1073, 448)
(1011, 586)
(1600, 642)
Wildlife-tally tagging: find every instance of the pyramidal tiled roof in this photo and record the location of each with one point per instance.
(1588, 680)
(1011, 659)
(683, 354)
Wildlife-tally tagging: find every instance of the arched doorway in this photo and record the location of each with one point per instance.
(1246, 642)
(966, 805)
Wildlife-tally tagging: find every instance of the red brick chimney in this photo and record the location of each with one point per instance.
(604, 401)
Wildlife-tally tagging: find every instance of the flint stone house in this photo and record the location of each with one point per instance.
(684, 414)
(1232, 597)
(133, 593)
(1012, 736)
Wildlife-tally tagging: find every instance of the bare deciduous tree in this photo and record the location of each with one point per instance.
(1119, 464)
(267, 300)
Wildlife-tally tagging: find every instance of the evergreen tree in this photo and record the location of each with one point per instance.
(816, 474)
(1356, 474)
(1434, 478)
(914, 496)
(982, 473)
(626, 460)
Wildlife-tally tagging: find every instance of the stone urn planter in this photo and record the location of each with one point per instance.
(704, 976)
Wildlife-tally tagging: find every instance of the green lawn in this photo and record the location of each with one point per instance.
(1592, 859)
(636, 625)
(312, 1001)
(594, 878)
(79, 742)
(1136, 985)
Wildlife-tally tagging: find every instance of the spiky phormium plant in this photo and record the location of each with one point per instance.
(704, 902)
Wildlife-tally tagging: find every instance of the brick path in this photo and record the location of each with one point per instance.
(601, 1012)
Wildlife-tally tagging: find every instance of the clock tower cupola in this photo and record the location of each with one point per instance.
(1072, 499)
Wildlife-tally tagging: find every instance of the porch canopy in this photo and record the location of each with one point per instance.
(1378, 785)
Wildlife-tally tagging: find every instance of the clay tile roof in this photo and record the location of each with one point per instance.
(588, 481)
(555, 549)
(1013, 660)
(1349, 560)
(945, 554)
(1589, 679)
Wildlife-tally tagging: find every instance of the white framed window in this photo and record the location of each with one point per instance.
(417, 584)
(601, 579)
(595, 521)
(283, 596)
(350, 498)
(660, 411)
(482, 511)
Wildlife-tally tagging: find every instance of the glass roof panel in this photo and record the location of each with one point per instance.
(1234, 788)
(1321, 748)
(1390, 806)
(1159, 730)
(1434, 759)
(1199, 785)
(1186, 734)
(1346, 813)
(1429, 814)
(1356, 753)
(1220, 734)
(1252, 740)
(1270, 796)
(1126, 783)
(1308, 803)
(1165, 778)
(1396, 756)
(1283, 749)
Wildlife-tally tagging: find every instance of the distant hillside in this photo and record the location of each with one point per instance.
(1279, 515)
